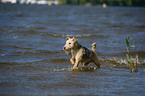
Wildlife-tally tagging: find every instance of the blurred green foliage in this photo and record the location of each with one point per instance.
(133, 64)
(108, 2)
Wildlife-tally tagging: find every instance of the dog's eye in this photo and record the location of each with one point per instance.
(69, 43)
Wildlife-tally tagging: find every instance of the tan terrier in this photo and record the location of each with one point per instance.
(80, 54)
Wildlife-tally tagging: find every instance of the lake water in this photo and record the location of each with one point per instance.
(32, 61)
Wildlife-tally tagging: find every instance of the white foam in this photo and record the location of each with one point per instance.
(119, 60)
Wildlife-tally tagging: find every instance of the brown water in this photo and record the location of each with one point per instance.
(32, 61)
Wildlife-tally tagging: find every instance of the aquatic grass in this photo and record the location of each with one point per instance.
(133, 64)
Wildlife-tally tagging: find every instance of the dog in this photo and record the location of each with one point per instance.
(80, 54)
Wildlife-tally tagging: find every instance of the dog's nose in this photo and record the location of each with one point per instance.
(64, 48)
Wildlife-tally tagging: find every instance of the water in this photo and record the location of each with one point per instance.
(32, 61)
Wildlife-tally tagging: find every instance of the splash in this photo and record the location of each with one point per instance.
(79, 69)
(62, 69)
(116, 60)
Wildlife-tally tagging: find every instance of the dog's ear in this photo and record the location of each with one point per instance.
(74, 39)
(67, 38)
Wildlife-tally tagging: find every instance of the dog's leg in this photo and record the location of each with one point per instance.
(72, 60)
(76, 64)
(96, 61)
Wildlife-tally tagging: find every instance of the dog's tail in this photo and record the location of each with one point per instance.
(93, 46)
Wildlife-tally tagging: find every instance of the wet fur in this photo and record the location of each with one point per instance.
(81, 54)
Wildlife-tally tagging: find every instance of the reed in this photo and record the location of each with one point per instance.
(133, 64)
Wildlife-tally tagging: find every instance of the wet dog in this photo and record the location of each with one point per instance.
(80, 54)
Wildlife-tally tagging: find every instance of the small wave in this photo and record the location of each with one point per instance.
(79, 69)
(19, 15)
(140, 26)
(59, 60)
(39, 28)
(3, 52)
(61, 70)
(18, 47)
(62, 60)
(30, 31)
(47, 51)
(29, 51)
(140, 53)
(84, 69)
(66, 35)
(116, 26)
(10, 63)
(119, 61)
(114, 60)
(73, 35)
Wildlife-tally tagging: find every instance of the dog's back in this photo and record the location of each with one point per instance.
(87, 56)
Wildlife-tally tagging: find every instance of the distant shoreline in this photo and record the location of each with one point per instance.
(67, 5)
(138, 3)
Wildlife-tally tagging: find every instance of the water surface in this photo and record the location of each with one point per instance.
(32, 61)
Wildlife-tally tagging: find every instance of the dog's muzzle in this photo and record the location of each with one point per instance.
(64, 48)
(67, 51)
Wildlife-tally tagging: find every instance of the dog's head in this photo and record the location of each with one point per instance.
(70, 44)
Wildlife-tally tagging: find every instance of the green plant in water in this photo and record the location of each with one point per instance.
(133, 64)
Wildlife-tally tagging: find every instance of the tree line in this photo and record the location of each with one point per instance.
(108, 2)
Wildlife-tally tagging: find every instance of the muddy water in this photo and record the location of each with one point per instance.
(32, 61)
